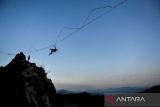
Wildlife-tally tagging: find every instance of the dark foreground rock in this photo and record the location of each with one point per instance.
(154, 89)
(79, 100)
(23, 84)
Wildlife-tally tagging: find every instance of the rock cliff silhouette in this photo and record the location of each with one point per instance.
(23, 84)
(154, 89)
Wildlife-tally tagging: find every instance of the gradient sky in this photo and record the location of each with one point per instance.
(120, 49)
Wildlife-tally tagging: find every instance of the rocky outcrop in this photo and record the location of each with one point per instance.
(154, 89)
(23, 84)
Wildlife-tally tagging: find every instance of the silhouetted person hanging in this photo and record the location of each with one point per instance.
(53, 50)
(28, 58)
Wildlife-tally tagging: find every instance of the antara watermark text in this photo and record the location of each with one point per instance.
(130, 99)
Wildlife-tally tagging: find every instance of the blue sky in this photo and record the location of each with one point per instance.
(122, 48)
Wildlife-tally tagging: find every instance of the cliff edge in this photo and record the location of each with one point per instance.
(23, 84)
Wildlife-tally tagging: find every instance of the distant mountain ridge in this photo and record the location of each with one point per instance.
(103, 91)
